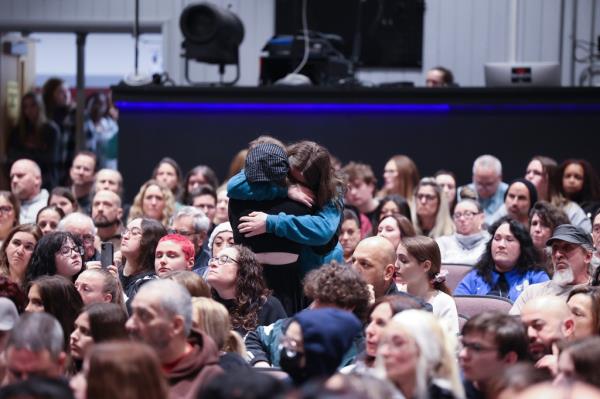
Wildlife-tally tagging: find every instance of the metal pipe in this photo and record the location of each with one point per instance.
(136, 35)
(88, 26)
(592, 44)
(561, 38)
(573, 40)
(513, 29)
(79, 134)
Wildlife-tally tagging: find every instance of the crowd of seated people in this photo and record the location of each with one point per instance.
(293, 278)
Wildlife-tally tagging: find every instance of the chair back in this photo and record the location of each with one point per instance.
(471, 305)
(455, 274)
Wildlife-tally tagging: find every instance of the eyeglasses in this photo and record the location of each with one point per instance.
(476, 348)
(67, 251)
(222, 260)
(465, 214)
(133, 232)
(86, 238)
(426, 197)
(181, 232)
(5, 209)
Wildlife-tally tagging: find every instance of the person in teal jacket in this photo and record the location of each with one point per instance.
(316, 186)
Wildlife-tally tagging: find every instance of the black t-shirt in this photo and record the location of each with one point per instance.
(265, 242)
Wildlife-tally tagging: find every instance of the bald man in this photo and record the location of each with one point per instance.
(107, 213)
(548, 320)
(374, 259)
(26, 185)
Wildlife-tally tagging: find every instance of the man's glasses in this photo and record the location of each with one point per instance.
(181, 232)
(475, 347)
(465, 214)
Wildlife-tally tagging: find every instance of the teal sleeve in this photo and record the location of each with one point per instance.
(311, 230)
(239, 188)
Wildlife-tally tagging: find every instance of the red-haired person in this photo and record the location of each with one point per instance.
(173, 252)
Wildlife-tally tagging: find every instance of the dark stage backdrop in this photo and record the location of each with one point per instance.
(437, 129)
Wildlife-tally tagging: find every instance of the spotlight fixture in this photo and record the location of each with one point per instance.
(212, 35)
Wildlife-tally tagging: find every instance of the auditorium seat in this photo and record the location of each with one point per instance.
(471, 305)
(456, 272)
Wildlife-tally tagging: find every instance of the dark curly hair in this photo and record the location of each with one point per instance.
(550, 215)
(43, 259)
(250, 289)
(528, 258)
(339, 285)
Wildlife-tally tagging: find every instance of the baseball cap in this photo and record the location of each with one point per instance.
(572, 234)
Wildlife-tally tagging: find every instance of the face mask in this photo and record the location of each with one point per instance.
(290, 361)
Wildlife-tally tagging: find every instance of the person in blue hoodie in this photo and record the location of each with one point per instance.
(509, 264)
(315, 342)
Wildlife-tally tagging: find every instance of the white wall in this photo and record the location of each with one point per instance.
(459, 34)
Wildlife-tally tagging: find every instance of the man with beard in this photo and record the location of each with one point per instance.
(162, 318)
(571, 257)
(548, 320)
(107, 213)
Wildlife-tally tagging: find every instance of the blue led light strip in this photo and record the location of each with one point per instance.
(356, 107)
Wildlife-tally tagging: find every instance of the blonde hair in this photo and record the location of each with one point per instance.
(443, 222)
(436, 362)
(212, 317)
(136, 210)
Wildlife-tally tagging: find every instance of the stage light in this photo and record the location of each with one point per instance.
(212, 35)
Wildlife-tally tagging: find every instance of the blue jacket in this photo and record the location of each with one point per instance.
(308, 230)
(474, 284)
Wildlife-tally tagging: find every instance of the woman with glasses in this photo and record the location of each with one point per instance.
(431, 215)
(138, 247)
(509, 264)
(9, 213)
(16, 251)
(59, 253)
(236, 279)
(400, 176)
(468, 243)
